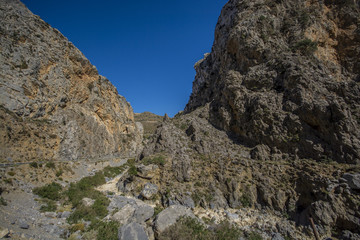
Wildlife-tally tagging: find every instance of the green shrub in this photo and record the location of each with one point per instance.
(85, 188)
(50, 191)
(157, 210)
(3, 201)
(186, 228)
(34, 165)
(305, 46)
(225, 230)
(50, 165)
(90, 213)
(77, 227)
(190, 228)
(11, 173)
(111, 172)
(245, 200)
(133, 170)
(158, 160)
(59, 172)
(49, 206)
(254, 236)
(107, 230)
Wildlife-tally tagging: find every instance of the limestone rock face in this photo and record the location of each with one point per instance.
(53, 102)
(285, 74)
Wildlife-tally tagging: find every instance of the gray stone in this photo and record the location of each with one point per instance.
(231, 216)
(353, 180)
(132, 231)
(88, 201)
(125, 214)
(65, 214)
(149, 191)
(143, 212)
(129, 210)
(277, 236)
(50, 214)
(170, 215)
(24, 225)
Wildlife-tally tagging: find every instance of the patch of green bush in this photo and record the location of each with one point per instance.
(90, 213)
(85, 188)
(59, 172)
(245, 200)
(107, 230)
(158, 160)
(111, 172)
(49, 206)
(254, 236)
(3, 201)
(34, 164)
(132, 170)
(50, 165)
(50, 191)
(11, 173)
(190, 228)
(305, 46)
(226, 230)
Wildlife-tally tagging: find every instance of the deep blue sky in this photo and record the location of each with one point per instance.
(147, 49)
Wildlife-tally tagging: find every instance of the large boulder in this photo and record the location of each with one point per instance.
(353, 180)
(132, 231)
(149, 191)
(170, 216)
(126, 210)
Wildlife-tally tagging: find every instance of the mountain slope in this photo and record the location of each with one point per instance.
(54, 104)
(285, 74)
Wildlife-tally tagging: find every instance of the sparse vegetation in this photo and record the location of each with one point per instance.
(59, 172)
(254, 236)
(111, 172)
(34, 165)
(245, 200)
(306, 46)
(11, 173)
(50, 165)
(77, 227)
(189, 228)
(50, 191)
(49, 206)
(3, 201)
(158, 160)
(106, 230)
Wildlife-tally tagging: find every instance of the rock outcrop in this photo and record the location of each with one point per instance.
(53, 102)
(273, 120)
(285, 74)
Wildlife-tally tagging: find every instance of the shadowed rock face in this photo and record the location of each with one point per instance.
(285, 74)
(53, 102)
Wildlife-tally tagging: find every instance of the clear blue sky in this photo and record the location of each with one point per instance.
(147, 49)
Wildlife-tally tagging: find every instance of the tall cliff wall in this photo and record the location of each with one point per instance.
(53, 102)
(285, 75)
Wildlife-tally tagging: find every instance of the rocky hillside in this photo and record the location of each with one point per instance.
(272, 123)
(284, 75)
(53, 102)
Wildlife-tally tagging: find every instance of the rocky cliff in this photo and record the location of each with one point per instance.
(284, 76)
(273, 120)
(53, 102)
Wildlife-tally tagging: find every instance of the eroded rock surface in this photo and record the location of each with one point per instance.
(53, 102)
(285, 74)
